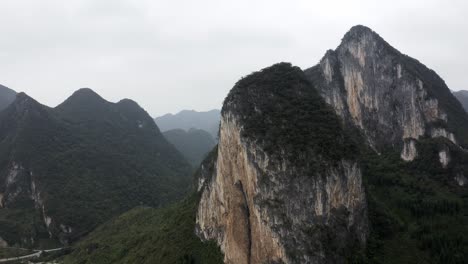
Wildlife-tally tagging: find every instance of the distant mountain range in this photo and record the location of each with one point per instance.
(65, 170)
(187, 119)
(462, 96)
(194, 144)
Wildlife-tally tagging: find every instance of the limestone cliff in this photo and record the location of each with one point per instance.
(392, 98)
(283, 187)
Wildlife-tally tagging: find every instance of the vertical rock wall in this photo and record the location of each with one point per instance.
(261, 210)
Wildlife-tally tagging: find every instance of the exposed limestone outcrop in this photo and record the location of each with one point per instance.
(392, 98)
(409, 152)
(442, 132)
(444, 157)
(461, 179)
(260, 205)
(20, 185)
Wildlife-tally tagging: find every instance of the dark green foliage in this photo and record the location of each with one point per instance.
(279, 108)
(14, 252)
(416, 213)
(90, 159)
(194, 144)
(148, 235)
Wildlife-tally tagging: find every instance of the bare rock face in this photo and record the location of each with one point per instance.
(409, 152)
(266, 200)
(391, 97)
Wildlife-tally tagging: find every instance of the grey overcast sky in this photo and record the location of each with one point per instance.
(185, 54)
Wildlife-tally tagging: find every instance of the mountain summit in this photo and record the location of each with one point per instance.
(394, 99)
(64, 170)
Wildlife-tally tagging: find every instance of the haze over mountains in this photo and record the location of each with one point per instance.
(187, 119)
(194, 144)
(361, 158)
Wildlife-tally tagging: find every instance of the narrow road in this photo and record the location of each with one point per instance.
(37, 253)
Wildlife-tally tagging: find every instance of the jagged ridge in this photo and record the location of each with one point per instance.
(391, 97)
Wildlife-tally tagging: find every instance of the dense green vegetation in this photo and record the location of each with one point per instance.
(24, 221)
(417, 213)
(89, 159)
(14, 252)
(148, 235)
(94, 160)
(306, 129)
(194, 144)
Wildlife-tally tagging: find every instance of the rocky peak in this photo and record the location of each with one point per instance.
(365, 44)
(360, 32)
(283, 168)
(392, 98)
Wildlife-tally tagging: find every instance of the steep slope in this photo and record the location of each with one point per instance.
(194, 144)
(392, 98)
(7, 96)
(296, 180)
(186, 119)
(462, 96)
(73, 167)
(285, 186)
(148, 235)
(417, 212)
(416, 174)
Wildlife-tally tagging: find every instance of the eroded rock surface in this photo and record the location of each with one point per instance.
(391, 97)
(261, 205)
